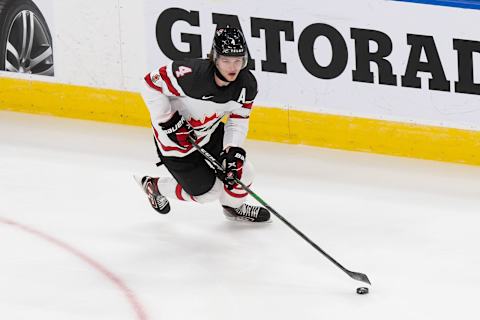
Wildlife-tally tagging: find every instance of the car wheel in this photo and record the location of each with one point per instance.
(25, 40)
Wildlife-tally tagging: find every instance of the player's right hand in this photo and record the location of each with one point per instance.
(178, 130)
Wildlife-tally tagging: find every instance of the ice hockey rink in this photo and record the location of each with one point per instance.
(78, 239)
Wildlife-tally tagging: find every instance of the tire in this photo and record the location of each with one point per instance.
(25, 39)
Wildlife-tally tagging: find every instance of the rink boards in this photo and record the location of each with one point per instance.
(372, 78)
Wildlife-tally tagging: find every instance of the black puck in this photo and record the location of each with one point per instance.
(362, 290)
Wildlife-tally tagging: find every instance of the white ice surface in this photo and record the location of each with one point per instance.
(412, 226)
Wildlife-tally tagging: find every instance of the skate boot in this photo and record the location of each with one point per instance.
(247, 212)
(158, 201)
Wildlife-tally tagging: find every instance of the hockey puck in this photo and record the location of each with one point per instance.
(362, 290)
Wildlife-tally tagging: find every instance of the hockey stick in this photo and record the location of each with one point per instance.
(354, 275)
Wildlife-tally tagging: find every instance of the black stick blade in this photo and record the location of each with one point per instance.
(359, 276)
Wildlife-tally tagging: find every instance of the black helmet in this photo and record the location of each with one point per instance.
(230, 42)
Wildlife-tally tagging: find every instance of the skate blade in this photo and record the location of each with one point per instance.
(244, 220)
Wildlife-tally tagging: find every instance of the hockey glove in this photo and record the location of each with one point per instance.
(232, 161)
(178, 130)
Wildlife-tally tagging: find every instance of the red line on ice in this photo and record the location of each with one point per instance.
(132, 299)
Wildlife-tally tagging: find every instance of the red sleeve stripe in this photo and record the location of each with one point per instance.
(150, 83)
(166, 79)
(248, 105)
(237, 116)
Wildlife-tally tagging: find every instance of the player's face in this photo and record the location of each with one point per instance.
(229, 67)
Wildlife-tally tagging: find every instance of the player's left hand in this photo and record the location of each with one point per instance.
(232, 160)
(179, 131)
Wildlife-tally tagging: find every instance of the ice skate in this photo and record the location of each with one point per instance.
(247, 212)
(158, 201)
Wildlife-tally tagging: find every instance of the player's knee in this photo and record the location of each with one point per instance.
(235, 197)
(213, 194)
(248, 173)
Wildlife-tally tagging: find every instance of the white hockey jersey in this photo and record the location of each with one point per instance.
(189, 87)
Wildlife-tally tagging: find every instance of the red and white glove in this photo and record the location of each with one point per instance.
(232, 160)
(178, 130)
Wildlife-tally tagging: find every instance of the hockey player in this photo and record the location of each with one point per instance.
(188, 99)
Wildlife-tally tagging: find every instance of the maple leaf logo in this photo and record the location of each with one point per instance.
(199, 123)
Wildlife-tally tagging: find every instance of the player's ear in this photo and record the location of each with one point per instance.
(245, 61)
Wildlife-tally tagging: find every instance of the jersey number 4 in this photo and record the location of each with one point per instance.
(182, 70)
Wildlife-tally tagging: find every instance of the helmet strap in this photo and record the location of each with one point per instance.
(219, 75)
